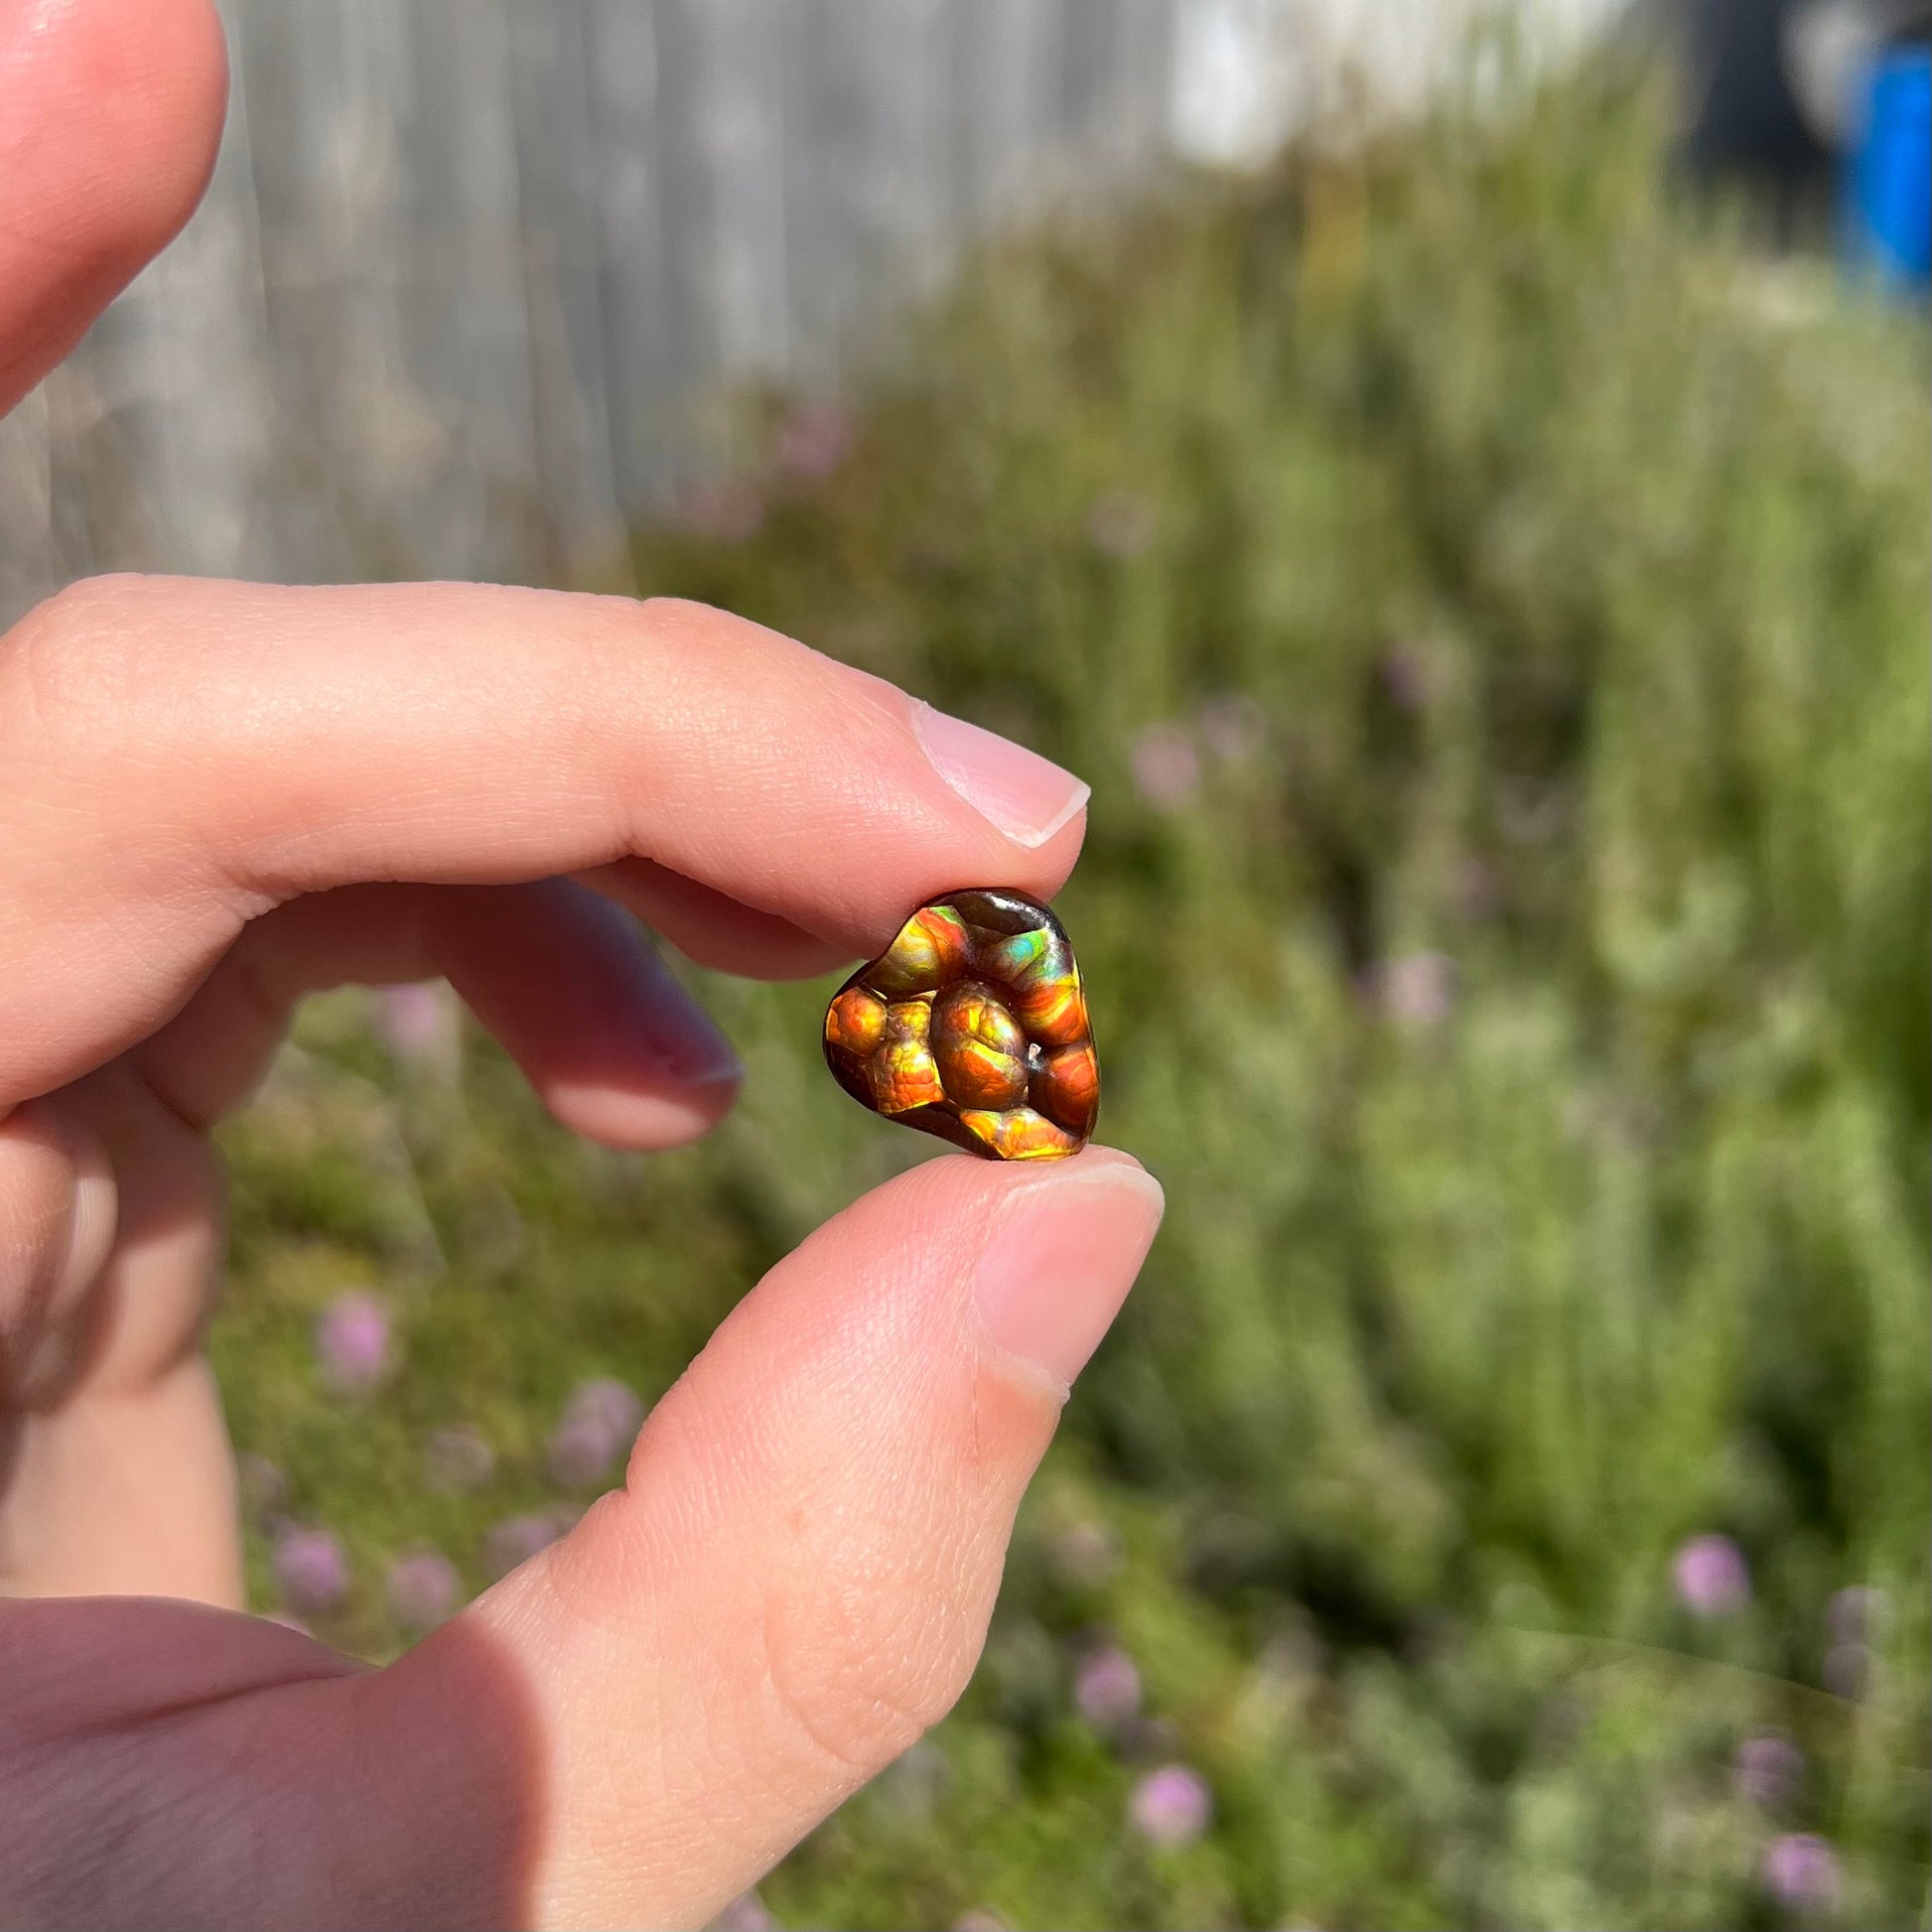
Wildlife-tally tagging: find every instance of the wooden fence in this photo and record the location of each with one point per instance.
(468, 269)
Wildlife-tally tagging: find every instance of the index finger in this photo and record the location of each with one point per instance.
(179, 756)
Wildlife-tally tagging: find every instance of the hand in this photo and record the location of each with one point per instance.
(217, 797)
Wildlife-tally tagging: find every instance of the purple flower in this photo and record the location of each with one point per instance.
(613, 1404)
(1232, 726)
(745, 1914)
(580, 1452)
(417, 1021)
(814, 439)
(424, 1589)
(1767, 1770)
(1107, 1688)
(1166, 767)
(1854, 1615)
(310, 1570)
(1405, 677)
(1847, 1667)
(289, 1622)
(1120, 524)
(1419, 989)
(1801, 1868)
(1711, 1577)
(458, 1458)
(516, 1539)
(599, 1423)
(353, 1341)
(1171, 1806)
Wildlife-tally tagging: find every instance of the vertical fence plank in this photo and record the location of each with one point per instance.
(328, 86)
(702, 303)
(1141, 93)
(101, 488)
(1114, 77)
(1006, 52)
(202, 436)
(466, 367)
(28, 567)
(720, 75)
(644, 355)
(560, 248)
(868, 169)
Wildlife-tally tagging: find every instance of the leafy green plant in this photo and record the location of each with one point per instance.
(1489, 603)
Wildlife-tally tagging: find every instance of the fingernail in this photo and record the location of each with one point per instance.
(1060, 1263)
(1027, 796)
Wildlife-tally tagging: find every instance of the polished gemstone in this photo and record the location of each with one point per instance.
(972, 1026)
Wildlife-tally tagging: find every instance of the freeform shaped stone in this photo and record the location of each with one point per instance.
(972, 1024)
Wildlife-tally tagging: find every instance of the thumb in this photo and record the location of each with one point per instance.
(111, 112)
(795, 1580)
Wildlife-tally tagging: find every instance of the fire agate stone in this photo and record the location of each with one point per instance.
(972, 1026)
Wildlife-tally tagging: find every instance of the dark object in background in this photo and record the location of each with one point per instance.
(1823, 106)
(1748, 119)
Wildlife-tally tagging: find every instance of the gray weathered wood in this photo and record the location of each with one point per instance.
(472, 275)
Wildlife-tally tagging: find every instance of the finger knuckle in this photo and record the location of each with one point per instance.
(67, 666)
(864, 1675)
(88, 609)
(703, 632)
(676, 613)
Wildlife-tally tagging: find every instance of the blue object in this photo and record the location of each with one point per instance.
(1888, 171)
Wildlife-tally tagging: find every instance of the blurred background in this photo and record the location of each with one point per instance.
(1457, 484)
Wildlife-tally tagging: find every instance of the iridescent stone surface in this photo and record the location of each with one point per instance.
(972, 1026)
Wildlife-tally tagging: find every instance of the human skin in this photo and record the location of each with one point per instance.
(217, 797)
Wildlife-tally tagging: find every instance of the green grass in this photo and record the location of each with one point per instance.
(1551, 571)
